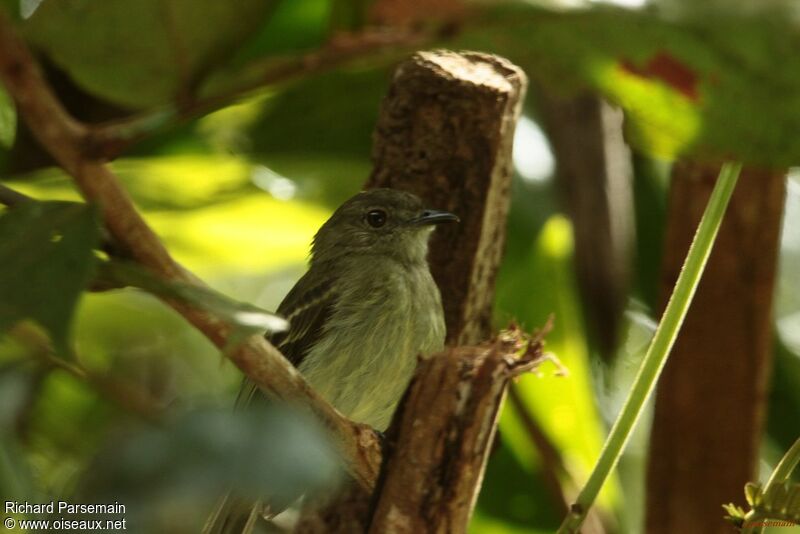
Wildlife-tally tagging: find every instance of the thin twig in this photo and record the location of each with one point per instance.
(552, 463)
(556, 476)
(64, 138)
(129, 398)
(10, 198)
(107, 141)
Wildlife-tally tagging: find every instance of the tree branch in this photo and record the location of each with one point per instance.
(444, 132)
(108, 140)
(11, 198)
(64, 138)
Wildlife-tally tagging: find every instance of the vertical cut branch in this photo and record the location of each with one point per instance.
(445, 132)
(720, 363)
(446, 426)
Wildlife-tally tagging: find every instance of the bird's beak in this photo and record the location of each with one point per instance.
(434, 217)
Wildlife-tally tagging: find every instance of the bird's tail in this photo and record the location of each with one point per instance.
(232, 515)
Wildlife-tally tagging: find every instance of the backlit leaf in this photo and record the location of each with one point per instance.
(46, 250)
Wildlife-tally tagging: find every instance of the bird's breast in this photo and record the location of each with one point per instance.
(381, 323)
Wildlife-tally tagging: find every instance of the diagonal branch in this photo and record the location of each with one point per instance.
(106, 141)
(64, 139)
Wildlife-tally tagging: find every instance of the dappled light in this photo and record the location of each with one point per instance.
(238, 128)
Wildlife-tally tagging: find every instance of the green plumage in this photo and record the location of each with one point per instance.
(363, 314)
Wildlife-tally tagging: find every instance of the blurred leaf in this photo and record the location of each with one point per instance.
(16, 381)
(233, 228)
(781, 502)
(145, 53)
(245, 319)
(512, 498)
(46, 250)
(28, 7)
(317, 132)
(16, 479)
(734, 514)
(650, 181)
(333, 113)
(293, 26)
(564, 406)
(705, 87)
(203, 454)
(8, 120)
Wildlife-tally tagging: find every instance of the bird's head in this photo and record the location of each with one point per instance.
(381, 222)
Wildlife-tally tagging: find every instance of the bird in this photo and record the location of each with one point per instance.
(363, 313)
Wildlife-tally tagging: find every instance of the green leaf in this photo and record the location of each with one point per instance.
(781, 501)
(752, 493)
(28, 7)
(734, 514)
(174, 472)
(46, 250)
(705, 88)
(8, 120)
(245, 318)
(143, 53)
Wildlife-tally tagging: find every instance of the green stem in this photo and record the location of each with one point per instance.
(659, 349)
(785, 467)
(779, 475)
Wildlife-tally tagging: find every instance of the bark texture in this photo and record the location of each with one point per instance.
(447, 424)
(711, 399)
(594, 178)
(444, 133)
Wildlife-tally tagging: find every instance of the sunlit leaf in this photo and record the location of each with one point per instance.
(563, 406)
(233, 226)
(706, 87)
(46, 250)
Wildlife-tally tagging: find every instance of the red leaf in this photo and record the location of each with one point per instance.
(669, 70)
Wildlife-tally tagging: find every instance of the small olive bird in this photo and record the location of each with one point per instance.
(359, 318)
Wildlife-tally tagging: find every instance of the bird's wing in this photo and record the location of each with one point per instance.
(307, 307)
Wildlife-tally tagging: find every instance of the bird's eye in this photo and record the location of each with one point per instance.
(376, 218)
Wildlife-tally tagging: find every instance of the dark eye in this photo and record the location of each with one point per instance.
(376, 218)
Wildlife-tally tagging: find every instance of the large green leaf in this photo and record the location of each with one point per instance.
(721, 86)
(142, 53)
(46, 250)
(169, 476)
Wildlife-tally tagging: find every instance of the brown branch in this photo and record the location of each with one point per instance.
(447, 424)
(712, 397)
(444, 132)
(64, 138)
(108, 140)
(11, 198)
